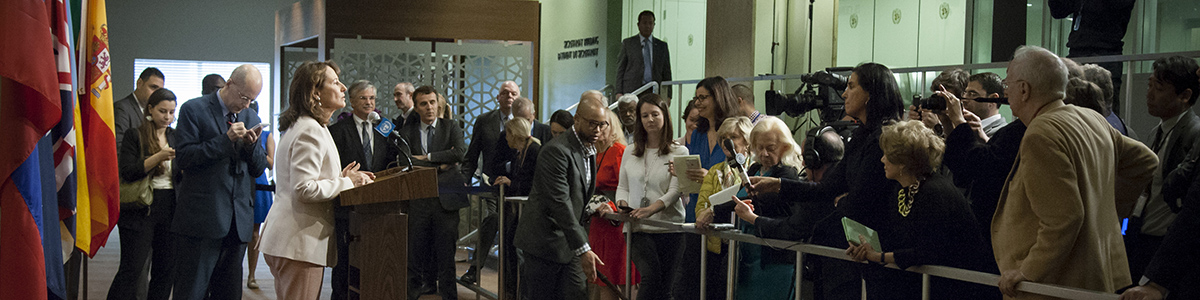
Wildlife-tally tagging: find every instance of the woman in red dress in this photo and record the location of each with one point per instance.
(604, 235)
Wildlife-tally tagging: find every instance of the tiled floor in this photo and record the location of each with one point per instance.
(103, 267)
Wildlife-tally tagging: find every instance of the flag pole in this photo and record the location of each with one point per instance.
(80, 66)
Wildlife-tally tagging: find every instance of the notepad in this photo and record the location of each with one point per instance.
(854, 230)
(725, 195)
(682, 164)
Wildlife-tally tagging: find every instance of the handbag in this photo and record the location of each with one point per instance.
(137, 194)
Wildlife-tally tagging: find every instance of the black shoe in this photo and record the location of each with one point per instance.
(423, 289)
(472, 276)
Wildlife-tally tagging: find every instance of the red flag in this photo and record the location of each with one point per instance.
(29, 107)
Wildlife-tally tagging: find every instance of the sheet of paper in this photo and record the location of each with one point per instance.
(723, 196)
(682, 164)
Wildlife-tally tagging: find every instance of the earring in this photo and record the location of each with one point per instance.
(148, 118)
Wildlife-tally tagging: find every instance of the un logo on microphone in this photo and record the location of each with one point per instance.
(385, 127)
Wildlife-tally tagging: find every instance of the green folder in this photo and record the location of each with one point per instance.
(854, 230)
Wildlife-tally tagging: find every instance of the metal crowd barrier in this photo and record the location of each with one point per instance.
(801, 248)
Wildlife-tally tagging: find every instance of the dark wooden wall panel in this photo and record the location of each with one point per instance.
(432, 19)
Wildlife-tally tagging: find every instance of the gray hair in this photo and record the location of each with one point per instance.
(1045, 71)
(522, 104)
(359, 86)
(408, 86)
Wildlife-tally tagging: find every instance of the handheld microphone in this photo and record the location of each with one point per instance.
(387, 129)
(737, 162)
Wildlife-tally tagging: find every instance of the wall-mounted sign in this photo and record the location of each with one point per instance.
(591, 43)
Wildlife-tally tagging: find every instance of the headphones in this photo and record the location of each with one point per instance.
(812, 157)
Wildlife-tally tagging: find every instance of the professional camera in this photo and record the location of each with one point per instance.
(821, 90)
(935, 102)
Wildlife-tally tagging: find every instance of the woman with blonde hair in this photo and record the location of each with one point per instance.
(605, 235)
(932, 221)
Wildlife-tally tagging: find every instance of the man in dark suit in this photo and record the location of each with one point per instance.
(219, 156)
(484, 137)
(127, 112)
(1175, 268)
(433, 225)
(356, 141)
(632, 68)
(521, 108)
(1172, 91)
(487, 130)
(551, 235)
(402, 93)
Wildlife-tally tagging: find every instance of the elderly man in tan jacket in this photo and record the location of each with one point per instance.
(1058, 219)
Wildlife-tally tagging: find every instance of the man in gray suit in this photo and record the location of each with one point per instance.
(551, 235)
(127, 112)
(643, 58)
(1172, 91)
(219, 156)
(433, 224)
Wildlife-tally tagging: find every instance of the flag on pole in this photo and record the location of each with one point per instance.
(98, 201)
(52, 159)
(29, 107)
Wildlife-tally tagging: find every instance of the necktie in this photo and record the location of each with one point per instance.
(1158, 139)
(231, 117)
(647, 60)
(366, 142)
(428, 137)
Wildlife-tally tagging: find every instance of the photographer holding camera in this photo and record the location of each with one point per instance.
(925, 110)
(980, 164)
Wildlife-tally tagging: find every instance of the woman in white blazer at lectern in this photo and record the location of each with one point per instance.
(296, 235)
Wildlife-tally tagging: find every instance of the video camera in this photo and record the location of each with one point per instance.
(821, 90)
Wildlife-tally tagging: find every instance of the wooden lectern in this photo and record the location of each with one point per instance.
(379, 230)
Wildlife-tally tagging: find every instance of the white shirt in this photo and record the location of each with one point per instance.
(646, 179)
(141, 108)
(991, 125)
(1156, 213)
(358, 125)
(162, 182)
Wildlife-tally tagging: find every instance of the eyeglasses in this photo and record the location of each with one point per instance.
(240, 94)
(595, 124)
(971, 95)
(701, 97)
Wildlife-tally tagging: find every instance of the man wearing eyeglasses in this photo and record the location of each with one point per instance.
(985, 85)
(219, 156)
(551, 235)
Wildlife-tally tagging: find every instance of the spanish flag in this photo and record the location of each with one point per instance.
(97, 199)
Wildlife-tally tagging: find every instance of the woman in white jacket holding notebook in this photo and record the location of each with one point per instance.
(647, 186)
